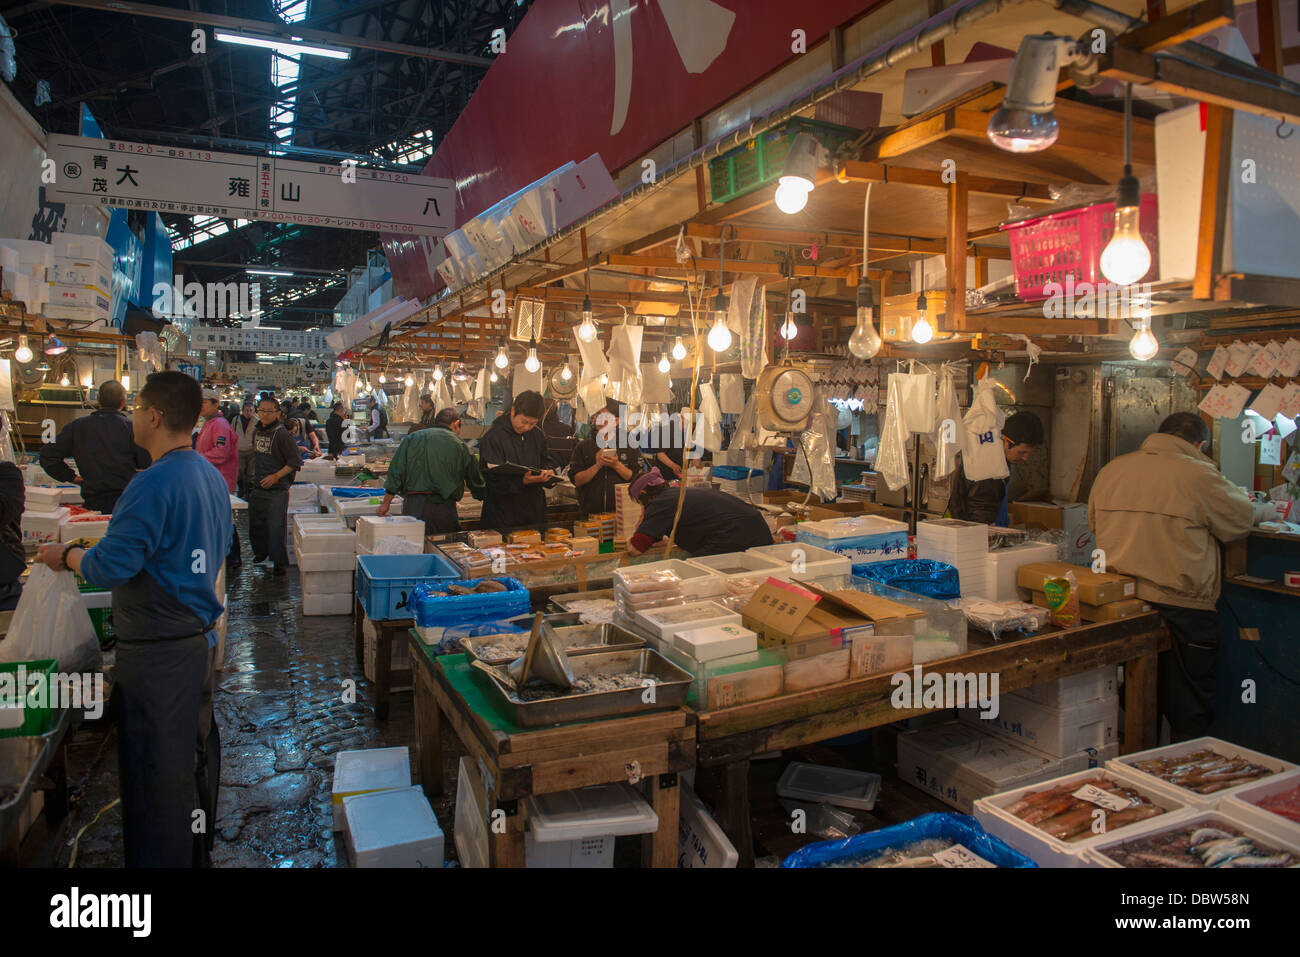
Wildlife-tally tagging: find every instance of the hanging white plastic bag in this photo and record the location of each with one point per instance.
(592, 394)
(708, 431)
(814, 460)
(594, 363)
(51, 622)
(625, 364)
(747, 317)
(656, 388)
(947, 436)
(525, 381)
(477, 407)
(916, 400)
(891, 456)
(442, 396)
(731, 394)
(982, 453)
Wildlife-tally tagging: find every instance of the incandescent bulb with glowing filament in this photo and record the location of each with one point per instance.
(587, 331)
(797, 179)
(788, 328)
(1143, 345)
(502, 360)
(532, 363)
(922, 331)
(719, 335)
(437, 373)
(410, 381)
(679, 350)
(1126, 258)
(865, 342)
(566, 373)
(24, 352)
(64, 379)
(382, 378)
(664, 364)
(792, 195)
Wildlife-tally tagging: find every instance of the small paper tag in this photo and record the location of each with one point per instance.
(1270, 450)
(1268, 402)
(1291, 471)
(1238, 358)
(1291, 400)
(1264, 361)
(1185, 362)
(1095, 795)
(958, 856)
(1234, 400)
(1217, 362)
(1213, 401)
(1290, 365)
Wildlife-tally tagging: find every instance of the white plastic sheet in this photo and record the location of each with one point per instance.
(948, 426)
(51, 622)
(594, 363)
(625, 382)
(442, 396)
(524, 380)
(814, 462)
(731, 394)
(477, 407)
(916, 399)
(982, 452)
(891, 457)
(708, 432)
(655, 385)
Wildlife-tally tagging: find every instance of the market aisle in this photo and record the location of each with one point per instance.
(282, 719)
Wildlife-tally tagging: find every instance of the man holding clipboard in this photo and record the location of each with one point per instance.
(514, 457)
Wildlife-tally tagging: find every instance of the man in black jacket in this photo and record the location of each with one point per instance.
(13, 557)
(276, 461)
(515, 466)
(104, 448)
(334, 427)
(988, 500)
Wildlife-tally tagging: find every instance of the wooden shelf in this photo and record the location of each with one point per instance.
(1279, 589)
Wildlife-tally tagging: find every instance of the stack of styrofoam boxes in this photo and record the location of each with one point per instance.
(302, 501)
(1125, 768)
(372, 528)
(364, 772)
(81, 280)
(24, 264)
(316, 471)
(1074, 719)
(805, 561)
(1000, 583)
(43, 516)
(861, 538)
(350, 509)
(327, 563)
(964, 545)
(88, 525)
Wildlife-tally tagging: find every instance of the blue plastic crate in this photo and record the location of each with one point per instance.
(960, 827)
(450, 611)
(385, 582)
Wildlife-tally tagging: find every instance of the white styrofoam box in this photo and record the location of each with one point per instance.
(670, 619)
(394, 828)
(1000, 581)
(1055, 731)
(71, 531)
(43, 527)
(577, 828)
(69, 494)
(327, 604)
(470, 832)
(1041, 847)
(959, 764)
(318, 538)
(302, 493)
(374, 769)
(1073, 689)
(72, 294)
(1192, 818)
(81, 272)
(304, 518)
(30, 251)
(42, 498)
(861, 538)
(104, 599)
(1241, 805)
(735, 565)
(84, 248)
(327, 562)
(1123, 767)
(350, 509)
(327, 583)
(700, 841)
(805, 561)
(371, 528)
(716, 641)
(696, 581)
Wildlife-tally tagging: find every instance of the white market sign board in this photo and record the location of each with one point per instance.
(317, 369)
(278, 374)
(195, 181)
(258, 339)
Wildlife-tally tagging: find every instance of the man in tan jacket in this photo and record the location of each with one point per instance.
(1159, 514)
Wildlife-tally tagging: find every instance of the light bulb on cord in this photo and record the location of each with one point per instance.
(437, 373)
(532, 363)
(664, 364)
(566, 373)
(797, 179)
(719, 335)
(587, 331)
(679, 350)
(493, 377)
(382, 378)
(791, 196)
(865, 342)
(788, 328)
(24, 352)
(64, 379)
(502, 360)
(1143, 345)
(410, 381)
(1126, 258)
(604, 378)
(922, 331)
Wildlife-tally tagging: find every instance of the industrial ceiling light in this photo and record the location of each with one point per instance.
(1025, 122)
(865, 341)
(502, 360)
(281, 45)
(268, 272)
(1143, 345)
(800, 173)
(1126, 257)
(664, 364)
(679, 349)
(587, 331)
(532, 363)
(922, 331)
(55, 347)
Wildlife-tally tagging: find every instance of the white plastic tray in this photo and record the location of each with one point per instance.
(1241, 805)
(696, 582)
(842, 787)
(754, 566)
(817, 562)
(1096, 854)
(1122, 767)
(602, 811)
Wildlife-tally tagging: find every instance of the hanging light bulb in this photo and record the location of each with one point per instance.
(24, 352)
(664, 364)
(410, 381)
(55, 347)
(865, 342)
(1126, 257)
(502, 360)
(798, 175)
(43, 367)
(382, 379)
(532, 363)
(566, 373)
(1143, 345)
(719, 335)
(679, 350)
(922, 331)
(64, 379)
(126, 382)
(788, 328)
(493, 377)
(604, 378)
(587, 331)
(437, 373)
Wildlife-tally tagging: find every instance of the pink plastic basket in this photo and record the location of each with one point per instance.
(1067, 244)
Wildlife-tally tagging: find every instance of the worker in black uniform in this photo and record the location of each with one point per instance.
(106, 454)
(600, 462)
(711, 523)
(334, 427)
(276, 461)
(13, 556)
(515, 466)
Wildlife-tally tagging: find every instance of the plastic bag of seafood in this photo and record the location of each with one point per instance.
(931, 840)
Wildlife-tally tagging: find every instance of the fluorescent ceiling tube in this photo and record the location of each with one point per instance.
(281, 45)
(268, 272)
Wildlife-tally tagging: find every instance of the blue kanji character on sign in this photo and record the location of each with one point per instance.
(985, 437)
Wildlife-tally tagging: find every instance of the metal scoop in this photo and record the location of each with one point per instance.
(544, 658)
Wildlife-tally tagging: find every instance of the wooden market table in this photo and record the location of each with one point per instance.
(386, 632)
(727, 738)
(647, 749)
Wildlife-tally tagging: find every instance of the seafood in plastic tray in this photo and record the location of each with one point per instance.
(1204, 771)
(1284, 804)
(1203, 843)
(577, 639)
(1066, 816)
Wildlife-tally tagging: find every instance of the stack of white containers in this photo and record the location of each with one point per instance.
(80, 280)
(350, 509)
(627, 514)
(371, 529)
(964, 545)
(326, 551)
(24, 264)
(1003, 564)
(43, 515)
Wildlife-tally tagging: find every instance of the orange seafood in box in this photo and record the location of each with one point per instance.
(526, 537)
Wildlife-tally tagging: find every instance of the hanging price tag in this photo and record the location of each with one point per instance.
(958, 856)
(1095, 795)
(1270, 450)
(1185, 362)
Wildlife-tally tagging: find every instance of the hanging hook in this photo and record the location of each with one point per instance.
(1281, 122)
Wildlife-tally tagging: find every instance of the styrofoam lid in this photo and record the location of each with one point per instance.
(390, 818)
(839, 786)
(372, 769)
(604, 810)
(784, 553)
(852, 527)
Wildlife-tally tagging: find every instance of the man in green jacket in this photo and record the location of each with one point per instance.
(430, 472)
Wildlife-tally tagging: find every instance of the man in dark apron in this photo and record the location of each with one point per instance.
(276, 460)
(166, 542)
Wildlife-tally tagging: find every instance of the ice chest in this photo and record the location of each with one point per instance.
(371, 528)
(394, 828)
(1242, 805)
(863, 538)
(384, 582)
(1059, 732)
(577, 828)
(360, 772)
(804, 560)
(1072, 689)
(1123, 767)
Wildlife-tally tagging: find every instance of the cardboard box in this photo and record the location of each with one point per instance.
(1095, 588)
(1070, 518)
(739, 687)
(1112, 611)
(874, 654)
(783, 613)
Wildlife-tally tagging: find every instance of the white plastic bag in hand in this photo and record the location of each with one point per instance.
(947, 436)
(51, 622)
(891, 457)
(982, 453)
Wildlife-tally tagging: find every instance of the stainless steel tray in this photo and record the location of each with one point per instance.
(670, 692)
(562, 601)
(21, 763)
(601, 638)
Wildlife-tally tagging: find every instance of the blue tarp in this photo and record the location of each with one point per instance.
(921, 576)
(962, 828)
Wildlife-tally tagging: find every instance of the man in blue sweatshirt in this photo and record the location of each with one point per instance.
(168, 537)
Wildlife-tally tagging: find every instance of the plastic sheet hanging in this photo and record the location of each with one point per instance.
(916, 400)
(747, 315)
(921, 576)
(708, 430)
(891, 455)
(442, 396)
(814, 461)
(625, 364)
(731, 394)
(982, 454)
(525, 381)
(948, 426)
(477, 406)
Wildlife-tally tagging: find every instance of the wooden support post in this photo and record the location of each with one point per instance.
(1140, 712)
(1270, 35)
(955, 262)
(937, 52)
(659, 849)
(1214, 199)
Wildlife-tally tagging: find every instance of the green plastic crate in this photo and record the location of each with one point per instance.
(36, 719)
(762, 160)
(102, 619)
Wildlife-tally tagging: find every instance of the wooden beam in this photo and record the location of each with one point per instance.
(749, 267)
(938, 55)
(955, 256)
(1174, 28)
(1270, 35)
(858, 171)
(1214, 200)
(974, 125)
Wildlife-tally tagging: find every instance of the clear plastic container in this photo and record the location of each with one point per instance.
(842, 787)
